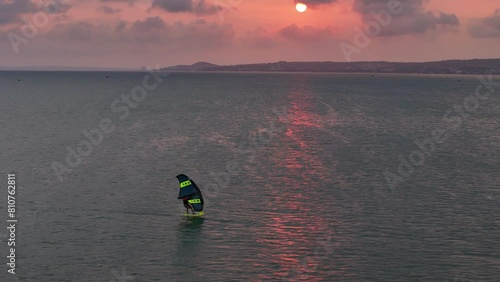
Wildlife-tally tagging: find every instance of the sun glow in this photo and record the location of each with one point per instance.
(301, 7)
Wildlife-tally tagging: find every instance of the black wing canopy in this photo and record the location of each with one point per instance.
(189, 189)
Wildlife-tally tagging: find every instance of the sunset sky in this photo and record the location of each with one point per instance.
(132, 33)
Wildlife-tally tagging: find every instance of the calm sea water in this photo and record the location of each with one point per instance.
(293, 167)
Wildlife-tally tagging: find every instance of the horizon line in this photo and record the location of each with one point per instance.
(110, 68)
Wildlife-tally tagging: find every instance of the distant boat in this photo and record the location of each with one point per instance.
(190, 192)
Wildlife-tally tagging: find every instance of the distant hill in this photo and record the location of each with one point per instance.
(476, 66)
(199, 66)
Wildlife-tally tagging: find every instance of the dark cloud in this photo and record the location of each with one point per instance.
(117, 1)
(294, 32)
(187, 6)
(11, 10)
(130, 2)
(108, 10)
(148, 25)
(486, 27)
(412, 19)
(53, 7)
(121, 27)
(174, 5)
(150, 31)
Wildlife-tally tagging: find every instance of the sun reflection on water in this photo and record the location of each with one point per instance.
(295, 230)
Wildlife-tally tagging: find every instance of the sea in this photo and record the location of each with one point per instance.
(305, 176)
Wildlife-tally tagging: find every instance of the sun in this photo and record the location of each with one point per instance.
(301, 7)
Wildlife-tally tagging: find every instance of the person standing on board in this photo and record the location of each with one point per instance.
(187, 205)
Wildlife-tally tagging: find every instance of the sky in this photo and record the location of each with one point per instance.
(134, 33)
